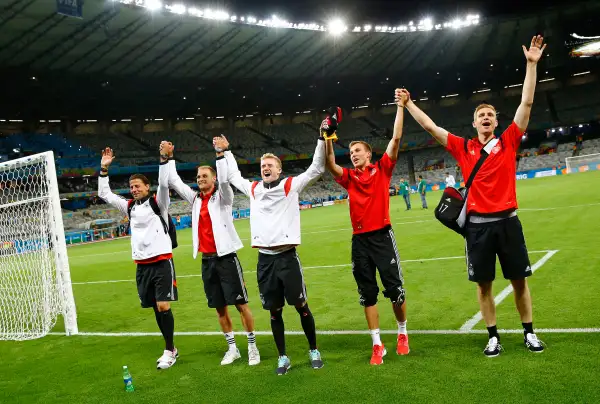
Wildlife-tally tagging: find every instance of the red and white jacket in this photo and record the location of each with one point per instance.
(274, 210)
(219, 208)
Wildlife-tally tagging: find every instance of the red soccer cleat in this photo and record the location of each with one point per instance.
(402, 348)
(378, 354)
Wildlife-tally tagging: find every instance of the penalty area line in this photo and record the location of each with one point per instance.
(462, 257)
(472, 322)
(339, 332)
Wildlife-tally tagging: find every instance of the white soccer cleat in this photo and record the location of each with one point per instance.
(167, 360)
(253, 356)
(230, 356)
(163, 355)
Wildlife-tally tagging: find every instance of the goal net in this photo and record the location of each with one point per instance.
(35, 283)
(578, 164)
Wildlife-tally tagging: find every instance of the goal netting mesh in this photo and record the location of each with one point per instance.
(35, 284)
(578, 164)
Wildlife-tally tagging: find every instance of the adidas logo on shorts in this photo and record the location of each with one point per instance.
(239, 297)
(393, 261)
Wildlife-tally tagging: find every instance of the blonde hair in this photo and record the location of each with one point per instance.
(212, 170)
(368, 146)
(271, 156)
(482, 106)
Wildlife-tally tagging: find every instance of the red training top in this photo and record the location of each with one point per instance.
(494, 189)
(206, 237)
(369, 195)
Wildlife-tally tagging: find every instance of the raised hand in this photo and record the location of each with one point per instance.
(220, 143)
(536, 49)
(107, 157)
(166, 149)
(401, 97)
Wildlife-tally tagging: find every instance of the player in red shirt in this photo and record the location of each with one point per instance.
(373, 242)
(493, 227)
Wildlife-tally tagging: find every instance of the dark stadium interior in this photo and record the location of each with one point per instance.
(127, 77)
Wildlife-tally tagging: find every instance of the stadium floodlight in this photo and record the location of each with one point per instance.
(336, 27)
(357, 29)
(367, 28)
(176, 8)
(195, 12)
(153, 5)
(233, 18)
(378, 28)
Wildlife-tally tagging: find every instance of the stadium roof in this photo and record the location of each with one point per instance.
(126, 60)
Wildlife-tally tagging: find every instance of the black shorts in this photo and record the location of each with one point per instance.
(156, 282)
(223, 281)
(376, 250)
(503, 238)
(280, 277)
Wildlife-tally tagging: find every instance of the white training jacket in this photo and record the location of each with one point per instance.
(220, 206)
(274, 210)
(148, 238)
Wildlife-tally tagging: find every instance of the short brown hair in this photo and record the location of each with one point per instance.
(271, 156)
(140, 177)
(212, 170)
(482, 106)
(368, 146)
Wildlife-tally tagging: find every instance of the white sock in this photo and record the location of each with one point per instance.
(375, 336)
(230, 340)
(251, 339)
(401, 327)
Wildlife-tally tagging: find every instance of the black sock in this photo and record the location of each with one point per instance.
(308, 325)
(527, 328)
(278, 329)
(493, 332)
(168, 327)
(158, 320)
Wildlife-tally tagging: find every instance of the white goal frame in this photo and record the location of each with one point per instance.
(571, 161)
(62, 287)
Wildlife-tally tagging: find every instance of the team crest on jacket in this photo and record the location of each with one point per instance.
(496, 148)
(373, 172)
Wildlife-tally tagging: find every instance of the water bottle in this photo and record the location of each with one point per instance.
(127, 379)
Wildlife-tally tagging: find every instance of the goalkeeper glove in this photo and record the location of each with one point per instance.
(330, 124)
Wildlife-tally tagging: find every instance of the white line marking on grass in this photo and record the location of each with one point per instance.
(243, 239)
(559, 207)
(340, 332)
(313, 267)
(472, 322)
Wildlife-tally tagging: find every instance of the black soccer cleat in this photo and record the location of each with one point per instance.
(283, 365)
(533, 343)
(493, 348)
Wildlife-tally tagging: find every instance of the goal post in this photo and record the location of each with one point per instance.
(35, 280)
(587, 162)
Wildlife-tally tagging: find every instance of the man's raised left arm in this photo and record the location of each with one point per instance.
(533, 55)
(392, 149)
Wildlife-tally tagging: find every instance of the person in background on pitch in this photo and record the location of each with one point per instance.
(405, 192)
(450, 181)
(493, 227)
(422, 189)
(214, 235)
(373, 241)
(151, 247)
(275, 231)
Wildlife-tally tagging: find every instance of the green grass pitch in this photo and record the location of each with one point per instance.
(559, 214)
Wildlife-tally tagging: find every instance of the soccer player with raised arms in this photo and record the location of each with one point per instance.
(214, 235)
(151, 246)
(275, 231)
(373, 241)
(493, 227)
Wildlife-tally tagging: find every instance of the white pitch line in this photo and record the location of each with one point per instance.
(558, 207)
(339, 332)
(243, 239)
(312, 267)
(472, 322)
